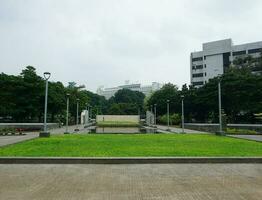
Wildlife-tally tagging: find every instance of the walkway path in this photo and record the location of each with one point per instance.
(257, 138)
(179, 130)
(6, 140)
(128, 182)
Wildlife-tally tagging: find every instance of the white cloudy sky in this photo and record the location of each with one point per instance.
(105, 42)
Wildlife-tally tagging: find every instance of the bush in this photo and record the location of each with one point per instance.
(174, 119)
(240, 131)
(6, 131)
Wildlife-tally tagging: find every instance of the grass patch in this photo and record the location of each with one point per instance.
(117, 124)
(128, 145)
(234, 131)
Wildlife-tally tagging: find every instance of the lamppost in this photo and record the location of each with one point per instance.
(90, 109)
(45, 133)
(219, 106)
(87, 115)
(155, 112)
(67, 112)
(167, 101)
(77, 105)
(183, 125)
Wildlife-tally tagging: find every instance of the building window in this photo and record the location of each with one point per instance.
(198, 83)
(197, 59)
(205, 74)
(198, 75)
(239, 53)
(197, 67)
(205, 57)
(255, 51)
(205, 66)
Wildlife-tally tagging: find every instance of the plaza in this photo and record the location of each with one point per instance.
(150, 181)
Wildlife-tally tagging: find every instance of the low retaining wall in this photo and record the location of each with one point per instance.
(29, 126)
(134, 160)
(121, 118)
(215, 127)
(202, 127)
(255, 127)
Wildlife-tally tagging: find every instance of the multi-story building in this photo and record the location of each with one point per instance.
(146, 89)
(216, 57)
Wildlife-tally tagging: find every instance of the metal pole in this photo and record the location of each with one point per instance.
(88, 114)
(183, 125)
(77, 104)
(168, 114)
(67, 112)
(219, 106)
(155, 113)
(46, 94)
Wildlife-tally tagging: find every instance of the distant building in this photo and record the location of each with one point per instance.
(216, 57)
(146, 89)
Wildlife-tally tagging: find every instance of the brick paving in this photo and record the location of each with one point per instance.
(120, 182)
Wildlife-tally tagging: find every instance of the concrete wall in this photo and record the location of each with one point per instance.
(29, 126)
(122, 118)
(202, 127)
(215, 127)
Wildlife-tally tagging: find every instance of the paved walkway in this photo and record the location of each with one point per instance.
(257, 138)
(122, 182)
(6, 140)
(179, 130)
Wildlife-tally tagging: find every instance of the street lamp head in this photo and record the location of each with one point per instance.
(167, 101)
(67, 94)
(47, 75)
(77, 99)
(182, 96)
(155, 104)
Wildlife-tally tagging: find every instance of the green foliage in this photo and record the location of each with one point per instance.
(240, 131)
(241, 98)
(22, 98)
(126, 102)
(130, 145)
(174, 119)
(167, 92)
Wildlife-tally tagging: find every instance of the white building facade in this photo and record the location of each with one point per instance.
(216, 57)
(145, 89)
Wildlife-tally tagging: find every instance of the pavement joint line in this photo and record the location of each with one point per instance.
(130, 160)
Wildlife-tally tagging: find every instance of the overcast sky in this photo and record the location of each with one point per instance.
(105, 42)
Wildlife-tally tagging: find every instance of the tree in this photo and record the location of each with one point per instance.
(126, 102)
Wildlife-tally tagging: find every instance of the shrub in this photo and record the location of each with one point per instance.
(174, 119)
(240, 131)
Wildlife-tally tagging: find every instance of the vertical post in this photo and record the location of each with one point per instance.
(219, 106)
(183, 123)
(67, 113)
(168, 115)
(155, 113)
(44, 133)
(77, 106)
(46, 93)
(90, 108)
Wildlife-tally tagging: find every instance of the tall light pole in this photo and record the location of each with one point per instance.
(182, 116)
(77, 105)
(167, 101)
(87, 116)
(155, 112)
(219, 106)
(45, 133)
(67, 112)
(90, 109)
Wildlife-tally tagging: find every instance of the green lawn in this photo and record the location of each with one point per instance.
(128, 145)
